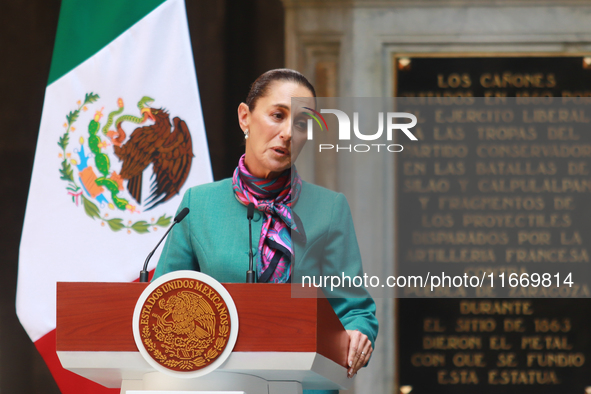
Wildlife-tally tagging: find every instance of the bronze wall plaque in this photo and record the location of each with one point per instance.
(460, 344)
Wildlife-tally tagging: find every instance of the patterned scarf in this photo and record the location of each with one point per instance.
(273, 197)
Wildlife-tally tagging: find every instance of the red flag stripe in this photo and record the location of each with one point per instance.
(68, 382)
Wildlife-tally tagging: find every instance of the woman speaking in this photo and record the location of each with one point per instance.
(295, 217)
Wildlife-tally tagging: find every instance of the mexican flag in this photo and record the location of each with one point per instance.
(121, 139)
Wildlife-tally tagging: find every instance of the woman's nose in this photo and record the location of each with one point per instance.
(285, 133)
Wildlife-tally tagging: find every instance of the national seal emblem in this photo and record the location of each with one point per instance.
(104, 170)
(184, 324)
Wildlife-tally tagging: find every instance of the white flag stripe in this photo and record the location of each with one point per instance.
(60, 242)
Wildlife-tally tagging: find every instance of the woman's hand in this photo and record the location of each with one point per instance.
(359, 351)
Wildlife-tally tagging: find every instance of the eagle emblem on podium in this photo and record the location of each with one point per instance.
(184, 325)
(187, 327)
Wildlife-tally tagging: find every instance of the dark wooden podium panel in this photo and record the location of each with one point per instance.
(98, 317)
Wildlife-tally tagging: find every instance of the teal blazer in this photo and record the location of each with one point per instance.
(213, 239)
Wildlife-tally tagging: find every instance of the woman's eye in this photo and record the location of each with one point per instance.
(278, 115)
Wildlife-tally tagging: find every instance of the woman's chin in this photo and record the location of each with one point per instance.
(276, 170)
(279, 162)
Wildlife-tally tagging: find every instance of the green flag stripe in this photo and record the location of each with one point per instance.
(85, 27)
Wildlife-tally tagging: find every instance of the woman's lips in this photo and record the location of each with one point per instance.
(281, 151)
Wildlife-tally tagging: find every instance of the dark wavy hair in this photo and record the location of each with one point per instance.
(260, 87)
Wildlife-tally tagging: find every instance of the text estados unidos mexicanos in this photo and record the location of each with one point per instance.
(436, 281)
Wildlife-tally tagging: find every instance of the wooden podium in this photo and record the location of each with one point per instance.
(284, 344)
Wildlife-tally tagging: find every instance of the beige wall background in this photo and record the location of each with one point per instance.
(347, 46)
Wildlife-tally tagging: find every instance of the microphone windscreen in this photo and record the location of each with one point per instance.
(250, 212)
(181, 215)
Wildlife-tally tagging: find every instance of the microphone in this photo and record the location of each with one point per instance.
(249, 216)
(181, 215)
(177, 219)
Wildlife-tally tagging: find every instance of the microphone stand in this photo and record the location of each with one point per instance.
(249, 216)
(144, 273)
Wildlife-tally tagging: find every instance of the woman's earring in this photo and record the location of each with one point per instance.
(246, 134)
